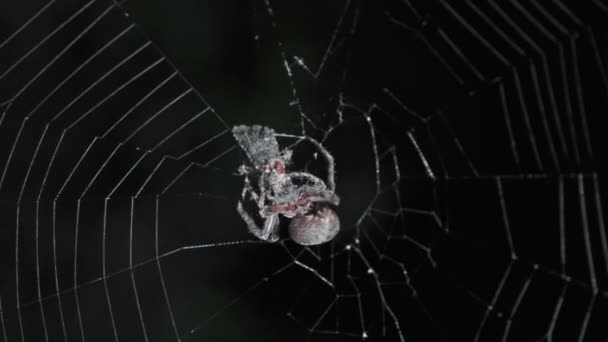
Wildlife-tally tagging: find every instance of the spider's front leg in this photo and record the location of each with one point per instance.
(248, 189)
(270, 230)
(317, 190)
(331, 165)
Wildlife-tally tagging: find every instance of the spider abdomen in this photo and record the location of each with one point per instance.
(315, 228)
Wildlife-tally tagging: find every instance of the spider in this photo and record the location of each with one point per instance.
(300, 196)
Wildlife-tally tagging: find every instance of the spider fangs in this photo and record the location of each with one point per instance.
(300, 196)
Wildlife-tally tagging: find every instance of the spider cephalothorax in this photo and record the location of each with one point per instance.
(300, 196)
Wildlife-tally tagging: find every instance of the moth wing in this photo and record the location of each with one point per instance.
(259, 143)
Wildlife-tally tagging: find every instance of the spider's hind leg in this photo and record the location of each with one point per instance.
(270, 230)
(331, 164)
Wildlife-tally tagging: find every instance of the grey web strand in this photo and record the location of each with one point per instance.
(572, 175)
(538, 51)
(40, 301)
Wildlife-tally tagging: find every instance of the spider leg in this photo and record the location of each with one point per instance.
(286, 155)
(318, 191)
(285, 209)
(331, 165)
(321, 195)
(245, 170)
(248, 189)
(311, 178)
(271, 228)
(263, 194)
(269, 232)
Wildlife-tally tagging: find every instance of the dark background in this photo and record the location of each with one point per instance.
(503, 239)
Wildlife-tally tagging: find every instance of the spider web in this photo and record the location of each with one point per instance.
(465, 136)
